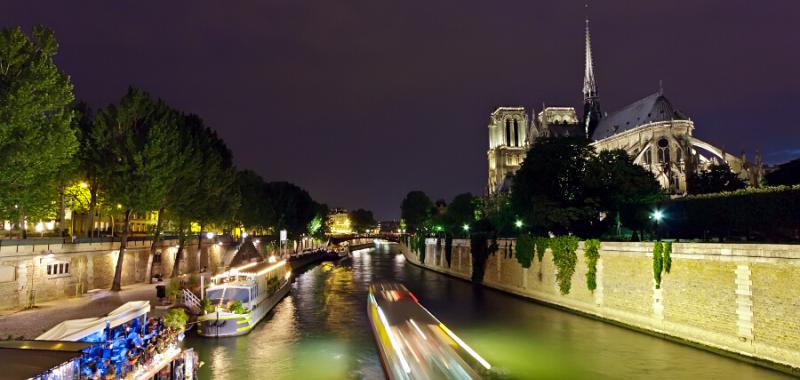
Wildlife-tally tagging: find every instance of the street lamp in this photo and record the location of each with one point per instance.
(465, 227)
(518, 223)
(657, 216)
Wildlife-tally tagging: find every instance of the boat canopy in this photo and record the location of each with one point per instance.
(77, 329)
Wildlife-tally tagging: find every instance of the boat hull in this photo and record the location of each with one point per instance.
(213, 325)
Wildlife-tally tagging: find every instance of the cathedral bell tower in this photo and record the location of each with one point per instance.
(508, 136)
(591, 102)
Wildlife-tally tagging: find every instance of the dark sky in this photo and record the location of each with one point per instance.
(361, 101)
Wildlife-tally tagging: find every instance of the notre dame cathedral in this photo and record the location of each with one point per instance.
(654, 132)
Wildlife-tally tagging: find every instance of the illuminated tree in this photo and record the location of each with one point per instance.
(37, 138)
(135, 139)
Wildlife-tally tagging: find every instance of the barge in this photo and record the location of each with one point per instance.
(242, 296)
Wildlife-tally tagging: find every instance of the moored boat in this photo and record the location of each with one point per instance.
(242, 296)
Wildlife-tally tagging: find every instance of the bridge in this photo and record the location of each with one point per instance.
(355, 242)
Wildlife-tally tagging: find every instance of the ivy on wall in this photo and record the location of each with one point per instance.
(524, 252)
(448, 248)
(658, 263)
(667, 256)
(541, 243)
(421, 248)
(564, 258)
(591, 250)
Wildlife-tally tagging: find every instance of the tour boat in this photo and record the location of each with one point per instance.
(242, 296)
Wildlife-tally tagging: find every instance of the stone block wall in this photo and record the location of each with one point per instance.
(738, 298)
(23, 269)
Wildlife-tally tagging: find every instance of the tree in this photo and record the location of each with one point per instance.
(716, 179)
(37, 138)
(362, 220)
(415, 210)
(134, 137)
(317, 227)
(549, 190)
(623, 190)
(785, 174)
(254, 213)
(459, 212)
(292, 206)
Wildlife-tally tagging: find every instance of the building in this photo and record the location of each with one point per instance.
(339, 222)
(651, 130)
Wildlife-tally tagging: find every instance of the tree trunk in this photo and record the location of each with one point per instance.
(123, 244)
(179, 255)
(23, 232)
(62, 213)
(92, 209)
(156, 234)
(200, 247)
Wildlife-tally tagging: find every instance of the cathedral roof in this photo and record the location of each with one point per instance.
(653, 108)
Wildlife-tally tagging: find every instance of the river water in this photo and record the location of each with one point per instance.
(320, 331)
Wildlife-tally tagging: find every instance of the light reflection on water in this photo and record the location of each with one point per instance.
(320, 331)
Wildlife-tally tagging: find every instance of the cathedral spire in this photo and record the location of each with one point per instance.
(591, 103)
(589, 84)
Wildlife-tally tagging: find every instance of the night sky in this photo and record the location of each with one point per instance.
(361, 101)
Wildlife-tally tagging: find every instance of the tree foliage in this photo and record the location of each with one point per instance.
(415, 210)
(591, 252)
(37, 136)
(362, 220)
(135, 136)
(715, 179)
(525, 250)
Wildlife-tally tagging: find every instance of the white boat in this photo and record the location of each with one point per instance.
(242, 296)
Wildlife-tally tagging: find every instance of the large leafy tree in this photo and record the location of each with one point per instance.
(416, 209)
(292, 206)
(624, 191)
(135, 139)
(549, 190)
(715, 179)
(37, 138)
(204, 190)
(254, 213)
(460, 212)
(362, 220)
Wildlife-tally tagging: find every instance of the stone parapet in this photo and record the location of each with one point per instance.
(740, 299)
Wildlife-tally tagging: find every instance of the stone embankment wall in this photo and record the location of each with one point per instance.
(91, 266)
(734, 298)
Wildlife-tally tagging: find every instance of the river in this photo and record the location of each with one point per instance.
(320, 331)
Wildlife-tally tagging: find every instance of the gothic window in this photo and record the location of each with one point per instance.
(663, 151)
(516, 133)
(679, 154)
(508, 132)
(648, 158)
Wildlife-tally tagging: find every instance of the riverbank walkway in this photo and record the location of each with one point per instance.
(28, 324)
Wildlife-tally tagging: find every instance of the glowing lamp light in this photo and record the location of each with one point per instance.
(518, 223)
(244, 234)
(210, 235)
(219, 243)
(658, 215)
(39, 227)
(84, 185)
(465, 227)
(273, 259)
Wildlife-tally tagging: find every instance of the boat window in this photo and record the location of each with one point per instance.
(230, 294)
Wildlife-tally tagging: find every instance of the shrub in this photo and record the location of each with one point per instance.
(564, 258)
(176, 318)
(591, 250)
(236, 307)
(771, 214)
(172, 289)
(658, 263)
(524, 251)
(207, 306)
(272, 285)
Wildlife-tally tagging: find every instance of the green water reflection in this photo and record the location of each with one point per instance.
(320, 331)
